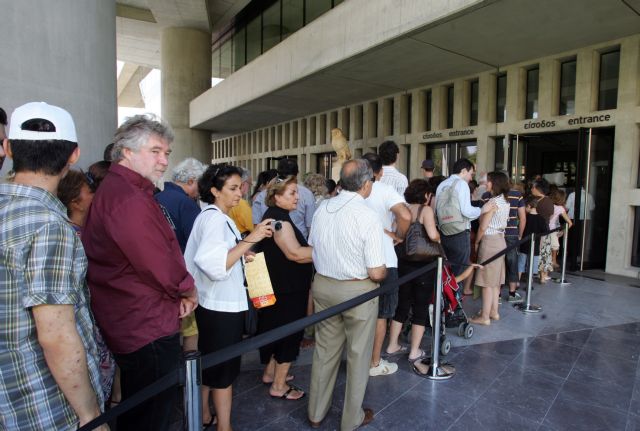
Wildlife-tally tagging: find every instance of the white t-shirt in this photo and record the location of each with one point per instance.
(382, 198)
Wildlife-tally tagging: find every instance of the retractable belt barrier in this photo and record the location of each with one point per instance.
(177, 377)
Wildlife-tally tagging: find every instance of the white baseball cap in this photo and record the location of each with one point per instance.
(63, 127)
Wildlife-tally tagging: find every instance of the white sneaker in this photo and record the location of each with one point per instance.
(384, 368)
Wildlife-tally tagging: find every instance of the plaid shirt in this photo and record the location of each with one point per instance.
(41, 262)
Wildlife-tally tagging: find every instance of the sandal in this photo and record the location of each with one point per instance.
(495, 317)
(477, 320)
(403, 350)
(212, 421)
(285, 396)
(422, 355)
(289, 378)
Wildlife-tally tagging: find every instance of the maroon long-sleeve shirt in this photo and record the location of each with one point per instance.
(136, 271)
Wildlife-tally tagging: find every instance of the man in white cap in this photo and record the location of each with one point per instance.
(48, 356)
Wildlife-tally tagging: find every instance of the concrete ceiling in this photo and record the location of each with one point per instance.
(139, 25)
(496, 33)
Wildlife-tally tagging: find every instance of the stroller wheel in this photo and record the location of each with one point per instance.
(461, 329)
(468, 331)
(445, 347)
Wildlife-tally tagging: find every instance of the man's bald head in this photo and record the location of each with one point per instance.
(355, 174)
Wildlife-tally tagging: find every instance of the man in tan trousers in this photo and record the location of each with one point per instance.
(347, 240)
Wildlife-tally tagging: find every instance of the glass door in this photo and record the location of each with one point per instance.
(591, 199)
(439, 153)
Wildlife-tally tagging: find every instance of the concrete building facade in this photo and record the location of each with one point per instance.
(573, 112)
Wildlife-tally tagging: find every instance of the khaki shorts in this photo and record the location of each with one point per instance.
(188, 326)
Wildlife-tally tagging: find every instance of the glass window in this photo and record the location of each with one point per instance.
(292, 17)
(568, 88)
(473, 103)
(469, 151)
(254, 38)
(315, 8)
(608, 83)
(427, 109)
(499, 154)
(532, 93)
(239, 53)
(409, 102)
(226, 59)
(501, 99)
(449, 106)
(271, 26)
(390, 119)
(635, 251)
(215, 63)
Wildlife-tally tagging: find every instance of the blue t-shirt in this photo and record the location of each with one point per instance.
(181, 208)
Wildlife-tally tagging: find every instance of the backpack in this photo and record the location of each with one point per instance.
(450, 218)
(417, 247)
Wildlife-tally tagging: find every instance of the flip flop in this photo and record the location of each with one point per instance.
(289, 378)
(209, 424)
(285, 396)
(403, 350)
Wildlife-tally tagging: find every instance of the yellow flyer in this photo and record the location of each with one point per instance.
(258, 282)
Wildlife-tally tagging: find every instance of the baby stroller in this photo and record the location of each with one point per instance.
(453, 315)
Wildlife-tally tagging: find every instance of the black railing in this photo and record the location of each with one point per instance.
(177, 377)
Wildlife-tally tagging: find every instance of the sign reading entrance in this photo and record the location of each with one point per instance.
(576, 121)
(450, 134)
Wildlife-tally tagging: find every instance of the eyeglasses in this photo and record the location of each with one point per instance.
(280, 179)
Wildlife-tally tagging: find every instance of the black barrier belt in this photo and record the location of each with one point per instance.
(253, 343)
(175, 377)
(518, 244)
(247, 345)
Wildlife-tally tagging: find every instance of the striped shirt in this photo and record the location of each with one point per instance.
(41, 262)
(395, 179)
(498, 222)
(347, 237)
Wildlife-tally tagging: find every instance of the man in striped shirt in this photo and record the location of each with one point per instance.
(388, 152)
(348, 253)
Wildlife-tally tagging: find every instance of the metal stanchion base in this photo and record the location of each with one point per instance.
(443, 372)
(528, 309)
(562, 282)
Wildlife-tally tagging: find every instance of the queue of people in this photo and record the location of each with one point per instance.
(107, 279)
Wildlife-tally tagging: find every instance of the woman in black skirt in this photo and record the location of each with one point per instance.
(288, 258)
(215, 258)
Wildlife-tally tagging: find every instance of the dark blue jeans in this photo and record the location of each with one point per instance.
(141, 368)
(458, 250)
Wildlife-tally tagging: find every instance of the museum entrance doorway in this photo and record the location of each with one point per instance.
(580, 163)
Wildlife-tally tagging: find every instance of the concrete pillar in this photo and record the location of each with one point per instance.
(185, 58)
(63, 53)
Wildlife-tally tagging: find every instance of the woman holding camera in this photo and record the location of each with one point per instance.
(288, 258)
(214, 256)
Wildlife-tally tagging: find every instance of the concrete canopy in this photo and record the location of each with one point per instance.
(386, 48)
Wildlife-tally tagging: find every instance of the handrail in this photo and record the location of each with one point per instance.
(255, 342)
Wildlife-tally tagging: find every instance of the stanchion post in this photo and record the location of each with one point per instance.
(192, 394)
(436, 370)
(562, 281)
(527, 307)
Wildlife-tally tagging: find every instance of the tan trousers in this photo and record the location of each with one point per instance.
(353, 329)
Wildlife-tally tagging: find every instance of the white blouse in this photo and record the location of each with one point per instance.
(499, 220)
(212, 236)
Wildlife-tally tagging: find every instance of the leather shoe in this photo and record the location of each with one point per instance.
(314, 424)
(368, 417)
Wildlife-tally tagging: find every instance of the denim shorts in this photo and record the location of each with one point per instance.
(523, 263)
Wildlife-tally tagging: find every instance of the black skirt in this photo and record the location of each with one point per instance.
(216, 330)
(288, 307)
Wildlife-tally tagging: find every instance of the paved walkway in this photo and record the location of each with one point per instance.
(575, 366)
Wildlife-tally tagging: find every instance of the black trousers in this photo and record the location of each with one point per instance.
(138, 370)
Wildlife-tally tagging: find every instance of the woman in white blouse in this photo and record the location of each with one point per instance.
(215, 258)
(489, 241)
